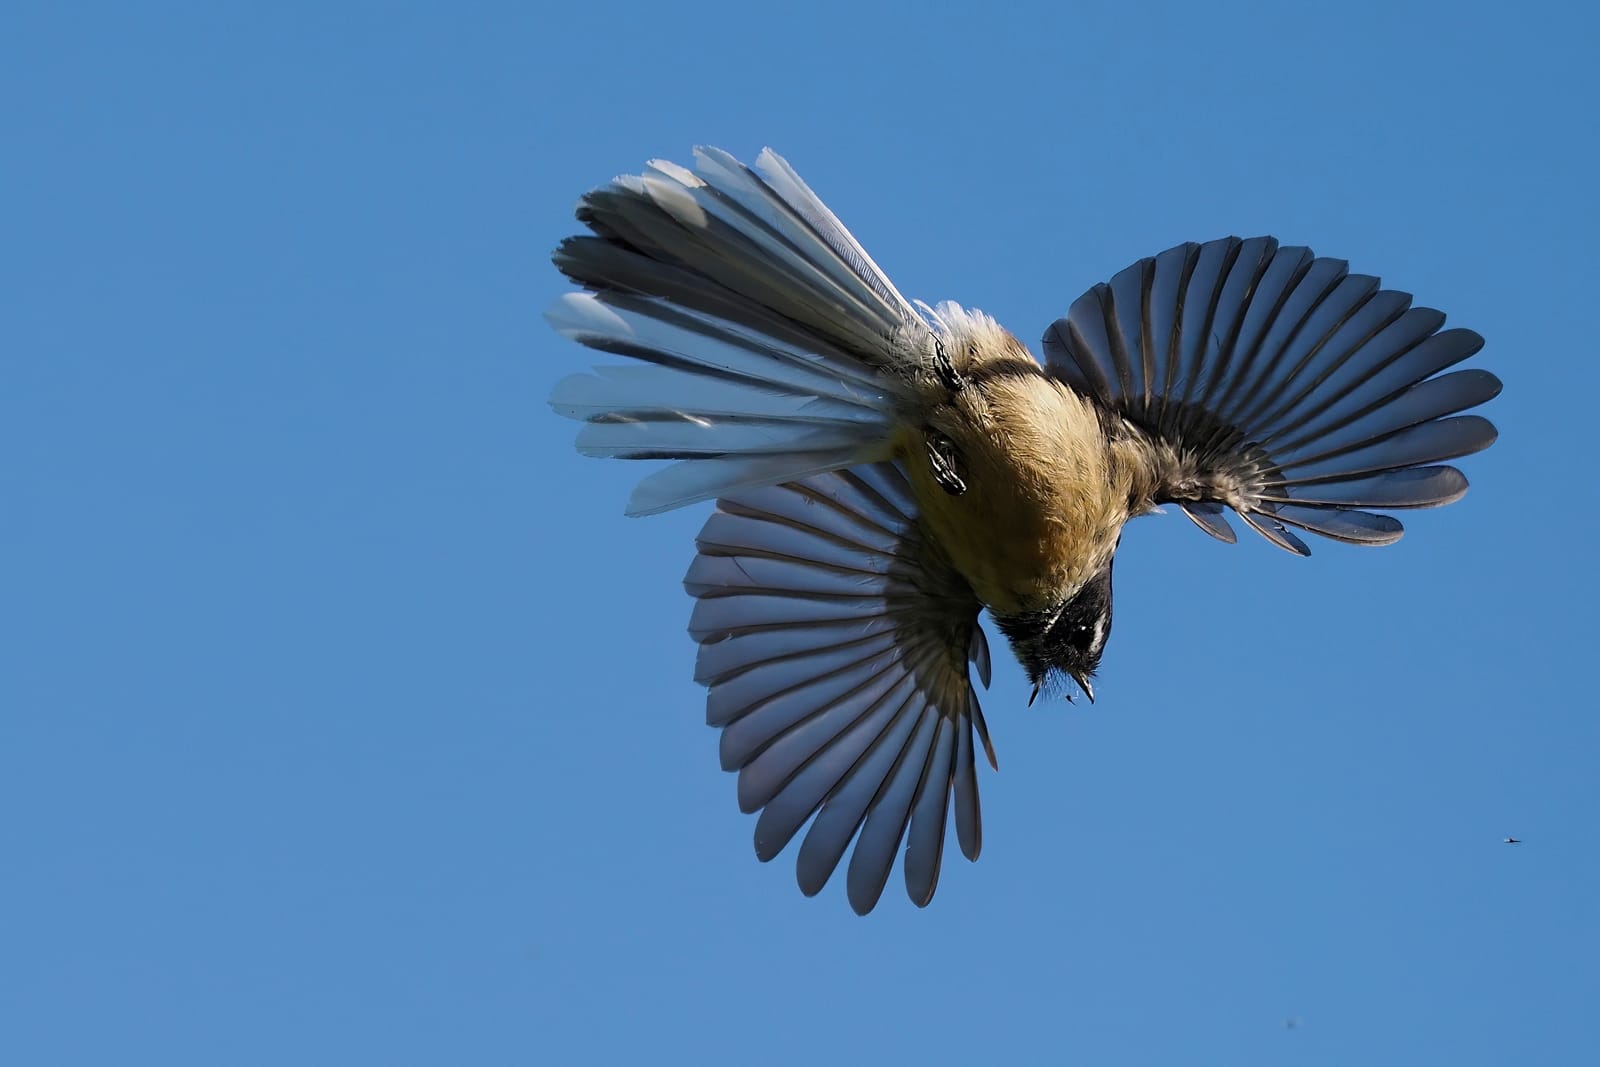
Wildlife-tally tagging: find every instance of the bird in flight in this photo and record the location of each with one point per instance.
(883, 470)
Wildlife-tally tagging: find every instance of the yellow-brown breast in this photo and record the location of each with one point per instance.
(1044, 502)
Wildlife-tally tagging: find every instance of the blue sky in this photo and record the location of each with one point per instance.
(344, 719)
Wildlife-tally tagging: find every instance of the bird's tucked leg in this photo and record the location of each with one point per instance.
(945, 367)
(942, 457)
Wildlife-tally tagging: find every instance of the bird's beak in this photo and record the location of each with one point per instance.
(1083, 683)
(1033, 695)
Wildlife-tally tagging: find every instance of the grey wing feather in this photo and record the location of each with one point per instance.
(1279, 384)
(836, 653)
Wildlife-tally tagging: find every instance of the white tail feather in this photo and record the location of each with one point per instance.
(778, 349)
(691, 481)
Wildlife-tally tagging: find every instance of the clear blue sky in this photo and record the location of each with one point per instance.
(345, 720)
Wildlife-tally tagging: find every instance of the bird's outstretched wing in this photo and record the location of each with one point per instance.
(1279, 384)
(835, 644)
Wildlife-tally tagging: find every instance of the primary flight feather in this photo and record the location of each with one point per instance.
(884, 470)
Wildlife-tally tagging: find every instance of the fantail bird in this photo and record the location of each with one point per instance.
(883, 471)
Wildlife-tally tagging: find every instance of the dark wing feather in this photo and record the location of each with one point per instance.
(1279, 384)
(836, 650)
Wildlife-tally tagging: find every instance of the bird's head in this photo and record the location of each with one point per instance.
(1064, 642)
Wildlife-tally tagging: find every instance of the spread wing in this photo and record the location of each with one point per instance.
(1281, 385)
(835, 645)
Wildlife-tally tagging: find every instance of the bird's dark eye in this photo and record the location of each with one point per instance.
(1067, 641)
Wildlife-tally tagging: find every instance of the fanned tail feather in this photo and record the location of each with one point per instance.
(775, 347)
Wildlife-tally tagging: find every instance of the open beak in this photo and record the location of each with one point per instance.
(1083, 683)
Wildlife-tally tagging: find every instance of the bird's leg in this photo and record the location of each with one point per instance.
(942, 455)
(943, 459)
(949, 377)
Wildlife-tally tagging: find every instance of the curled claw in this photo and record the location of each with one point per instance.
(942, 458)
